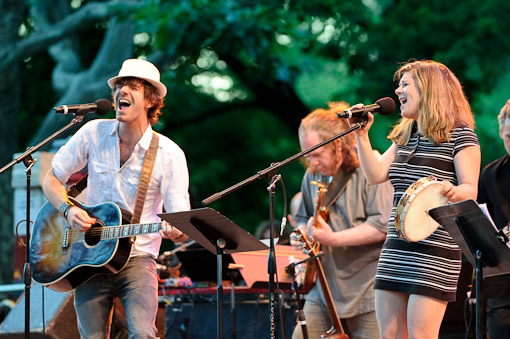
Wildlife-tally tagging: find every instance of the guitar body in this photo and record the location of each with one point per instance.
(309, 279)
(62, 258)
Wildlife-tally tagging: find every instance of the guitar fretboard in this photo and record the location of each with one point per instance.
(124, 231)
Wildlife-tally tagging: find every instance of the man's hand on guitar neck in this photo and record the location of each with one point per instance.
(295, 241)
(172, 233)
(79, 219)
(323, 235)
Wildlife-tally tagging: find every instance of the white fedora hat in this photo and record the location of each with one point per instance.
(142, 69)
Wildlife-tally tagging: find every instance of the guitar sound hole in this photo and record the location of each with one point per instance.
(93, 235)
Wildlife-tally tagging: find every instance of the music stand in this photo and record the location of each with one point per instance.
(481, 243)
(206, 271)
(220, 236)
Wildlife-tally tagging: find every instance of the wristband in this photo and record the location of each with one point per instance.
(64, 208)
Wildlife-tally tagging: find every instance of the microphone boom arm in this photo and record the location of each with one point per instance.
(276, 166)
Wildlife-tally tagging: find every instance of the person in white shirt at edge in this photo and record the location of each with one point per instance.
(113, 151)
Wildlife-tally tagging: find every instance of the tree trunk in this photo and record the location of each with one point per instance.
(10, 93)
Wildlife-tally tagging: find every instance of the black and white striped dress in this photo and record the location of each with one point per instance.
(430, 267)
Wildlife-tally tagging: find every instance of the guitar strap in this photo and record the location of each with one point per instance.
(76, 188)
(143, 183)
(145, 176)
(336, 187)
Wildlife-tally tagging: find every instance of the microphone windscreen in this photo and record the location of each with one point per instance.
(103, 106)
(387, 105)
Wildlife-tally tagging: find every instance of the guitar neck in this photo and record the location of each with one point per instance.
(320, 210)
(328, 297)
(125, 231)
(337, 331)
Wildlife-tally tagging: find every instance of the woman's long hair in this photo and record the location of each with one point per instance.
(442, 105)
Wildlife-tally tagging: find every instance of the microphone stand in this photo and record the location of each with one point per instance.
(271, 262)
(291, 270)
(270, 174)
(29, 162)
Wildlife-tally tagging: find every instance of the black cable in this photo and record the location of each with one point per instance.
(18, 238)
(284, 218)
(467, 318)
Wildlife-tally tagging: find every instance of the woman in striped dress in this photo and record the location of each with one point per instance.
(416, 280)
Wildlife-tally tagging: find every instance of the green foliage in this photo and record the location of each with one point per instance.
(324, 51)
(487, 107)
(232, 147)
(241, 74)
(467, 36)
(261, 47)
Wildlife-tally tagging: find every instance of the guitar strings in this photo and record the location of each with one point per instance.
(98, 230)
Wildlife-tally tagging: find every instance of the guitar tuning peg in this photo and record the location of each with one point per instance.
(320, 185)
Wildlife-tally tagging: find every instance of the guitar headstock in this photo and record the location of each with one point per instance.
(321, 186)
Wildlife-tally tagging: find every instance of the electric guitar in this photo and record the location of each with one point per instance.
(336, 331)
(314, 267)
(320, 210)
(63, 258)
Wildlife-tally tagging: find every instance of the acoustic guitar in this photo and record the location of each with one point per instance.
(62, 258)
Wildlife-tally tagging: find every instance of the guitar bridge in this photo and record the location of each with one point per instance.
(65, 239)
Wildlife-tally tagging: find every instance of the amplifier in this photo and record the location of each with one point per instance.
(197, 318)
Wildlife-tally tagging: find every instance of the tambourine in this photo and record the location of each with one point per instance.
(412, 220)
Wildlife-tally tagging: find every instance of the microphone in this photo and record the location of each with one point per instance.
(383, 106)
(100, 107)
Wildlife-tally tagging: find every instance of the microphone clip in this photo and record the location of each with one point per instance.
(363, 120)
(289, 268)
(81, 112)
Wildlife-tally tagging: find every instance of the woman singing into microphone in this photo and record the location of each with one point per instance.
(416, 280)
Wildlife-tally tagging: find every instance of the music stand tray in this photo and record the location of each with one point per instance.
(220, 236)
(482, 244)
(206, 226)
(473, 232)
